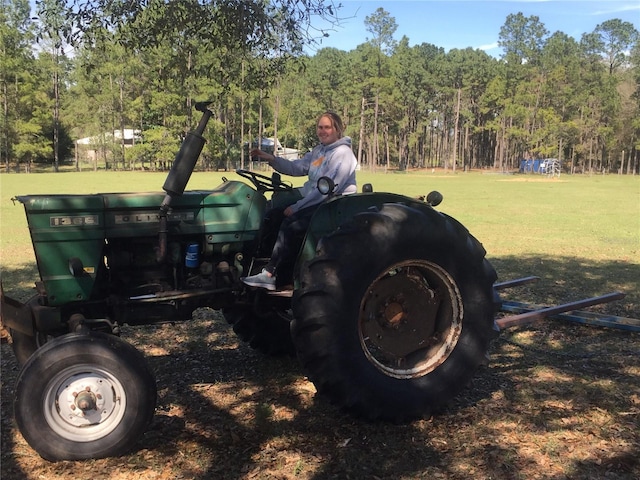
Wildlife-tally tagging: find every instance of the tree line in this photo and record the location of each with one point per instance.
(101, 72)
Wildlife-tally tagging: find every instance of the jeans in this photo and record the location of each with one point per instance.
(289, 240)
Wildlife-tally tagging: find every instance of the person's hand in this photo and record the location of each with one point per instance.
(288, 212)
(256, 152)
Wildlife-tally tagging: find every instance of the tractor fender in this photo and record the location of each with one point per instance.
(15, 315)
(28, 318)
(339, 209)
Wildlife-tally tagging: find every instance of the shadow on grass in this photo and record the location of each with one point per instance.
(227, 412)
(19, 282)
(270, 431)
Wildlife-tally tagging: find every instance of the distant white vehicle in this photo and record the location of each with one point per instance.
(274, 146)
(131, 137)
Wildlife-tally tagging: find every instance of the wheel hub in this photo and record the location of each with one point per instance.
(393, 314)
(401, 312)
(84, 404)
(85, 400)
(410, 319)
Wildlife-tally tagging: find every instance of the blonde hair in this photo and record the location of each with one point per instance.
(335, 120)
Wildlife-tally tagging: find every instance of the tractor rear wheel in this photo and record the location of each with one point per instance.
(395, 313)
(269, 332)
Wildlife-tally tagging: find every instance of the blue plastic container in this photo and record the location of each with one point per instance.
(192, 258)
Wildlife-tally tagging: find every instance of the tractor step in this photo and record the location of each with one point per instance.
(286, 292)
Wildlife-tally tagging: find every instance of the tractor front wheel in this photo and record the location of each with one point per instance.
(84, 396)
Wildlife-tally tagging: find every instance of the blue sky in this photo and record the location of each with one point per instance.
(474, 23)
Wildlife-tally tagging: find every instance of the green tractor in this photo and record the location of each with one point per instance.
(390, 306)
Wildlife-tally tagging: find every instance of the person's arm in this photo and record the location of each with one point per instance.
(294, 168)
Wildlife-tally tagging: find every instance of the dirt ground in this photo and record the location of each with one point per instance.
(557, 401)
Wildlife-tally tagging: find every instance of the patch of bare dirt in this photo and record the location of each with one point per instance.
(557, 401)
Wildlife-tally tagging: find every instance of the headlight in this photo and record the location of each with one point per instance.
(326, 185)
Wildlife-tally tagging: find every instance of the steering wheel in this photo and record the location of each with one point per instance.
(264, 183)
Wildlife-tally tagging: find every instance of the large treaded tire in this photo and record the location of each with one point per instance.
(268, 333)
(83, 396)
(23, 346)
(395, 313)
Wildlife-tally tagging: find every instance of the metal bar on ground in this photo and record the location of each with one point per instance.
(535, 315)
(515, 283)
(583, 317)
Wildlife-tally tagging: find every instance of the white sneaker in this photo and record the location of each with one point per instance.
(262, 280)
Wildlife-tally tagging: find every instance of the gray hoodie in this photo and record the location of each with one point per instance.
(335, 161)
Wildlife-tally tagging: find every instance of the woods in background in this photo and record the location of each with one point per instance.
(124, 82)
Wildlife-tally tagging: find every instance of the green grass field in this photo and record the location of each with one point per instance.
(557, 400)
(580, 234)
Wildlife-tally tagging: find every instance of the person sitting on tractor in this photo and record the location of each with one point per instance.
(332, 158)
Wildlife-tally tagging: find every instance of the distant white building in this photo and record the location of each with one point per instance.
(90, 146)
(131, 136)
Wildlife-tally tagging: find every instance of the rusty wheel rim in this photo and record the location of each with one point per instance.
(410, 319)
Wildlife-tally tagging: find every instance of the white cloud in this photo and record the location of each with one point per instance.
(623, 8)
(489, 46)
